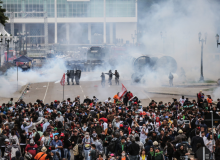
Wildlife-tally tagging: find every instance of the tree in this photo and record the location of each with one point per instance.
(3, 18)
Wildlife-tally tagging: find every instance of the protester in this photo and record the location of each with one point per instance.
(95, 130)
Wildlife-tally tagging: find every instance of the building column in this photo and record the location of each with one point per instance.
(23, 27)
(68, 33)
(111, 33)
(55, 7)
(89, 33)
(23, 8)
(104, 25)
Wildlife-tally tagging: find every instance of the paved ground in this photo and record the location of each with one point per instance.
(50, 91)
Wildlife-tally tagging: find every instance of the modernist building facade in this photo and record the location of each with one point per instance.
(73, 21)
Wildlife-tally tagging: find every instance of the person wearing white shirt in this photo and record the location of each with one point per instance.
(209, 142)
(182, 100)
(143, 133)
(104, 125)
(108, 100)
(203, 136)
(24, 127)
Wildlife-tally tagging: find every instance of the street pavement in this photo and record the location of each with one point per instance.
(50, 91)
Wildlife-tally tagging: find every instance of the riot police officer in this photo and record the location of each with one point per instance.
(116, 77)
(103, 80)
(77, 76)
(68, 76)
(110, 77)
(171, 79)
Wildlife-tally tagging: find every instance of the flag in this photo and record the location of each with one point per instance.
(62, 82)
(123, 91)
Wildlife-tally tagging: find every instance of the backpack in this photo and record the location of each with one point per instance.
(38, 149)
(111, 146)
(76, 150)
(37, 137)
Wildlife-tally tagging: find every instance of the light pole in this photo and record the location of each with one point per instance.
(15, 42)
(202, 40)
(132, 38)
(212, 135)
(8, 40)
(217, 39)
(21, 36)
(163, 36)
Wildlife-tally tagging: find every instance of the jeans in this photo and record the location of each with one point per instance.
(106, 151)
(67, 153)
(142, 141)
(133, 157)
(87, 152)
(55, 157)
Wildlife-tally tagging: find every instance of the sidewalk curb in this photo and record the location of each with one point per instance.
(165, 93)
(23, 91)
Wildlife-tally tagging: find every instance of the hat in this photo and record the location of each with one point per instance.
(135, 102)
(180, 131)
(155, 143)
(121, 125)
(51, 135)
(140, 104)
(44, 149)
(55, 128)
(32, 141)
(62, 134)
(55, 101)
(7, 140)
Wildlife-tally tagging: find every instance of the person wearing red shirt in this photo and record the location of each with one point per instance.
(31, 148)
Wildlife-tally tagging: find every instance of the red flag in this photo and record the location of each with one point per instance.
(123, 91)
(62, 82)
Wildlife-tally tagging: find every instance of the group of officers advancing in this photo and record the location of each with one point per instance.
(71, 75)
(110, 74)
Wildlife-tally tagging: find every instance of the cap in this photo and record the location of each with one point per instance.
(55, 128)
(55, 101)
(121, 125)
(135, 102)
(32, 141)
(51, 135)
(7, 140)
(62, 134)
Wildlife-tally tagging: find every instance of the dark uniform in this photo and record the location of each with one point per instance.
(103, 80)
(72, 76)
(116, 77)
(171, 79)
(68, 76)
(77, 76)
(110, 77)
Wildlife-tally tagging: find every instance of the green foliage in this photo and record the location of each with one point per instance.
(3, 18)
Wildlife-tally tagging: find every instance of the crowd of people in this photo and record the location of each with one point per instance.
(116, 129)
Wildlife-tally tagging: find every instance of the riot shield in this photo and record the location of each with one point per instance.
(78, 73)
(71, 73)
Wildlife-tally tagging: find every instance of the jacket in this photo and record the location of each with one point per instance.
(31, 149)
(179, 138)
(133, 149)
(118, 148)
(195, 141)
(147, 147)
(158, 156)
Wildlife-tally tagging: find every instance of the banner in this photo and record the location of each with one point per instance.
(62, 82)
(123, 91)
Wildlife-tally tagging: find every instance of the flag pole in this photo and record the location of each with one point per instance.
(63, 92)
